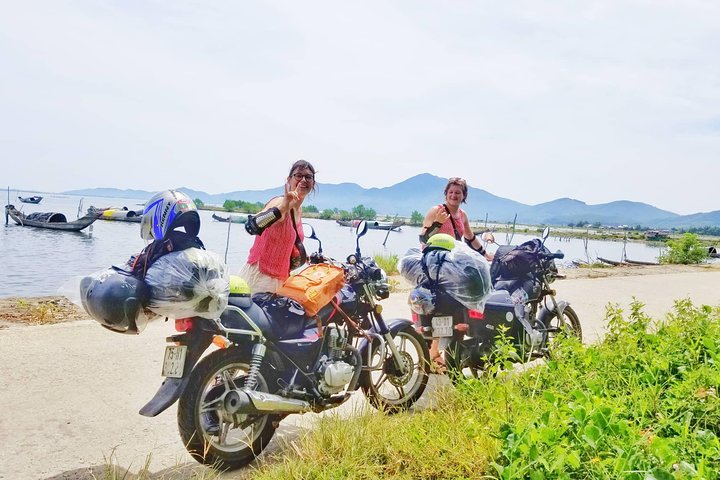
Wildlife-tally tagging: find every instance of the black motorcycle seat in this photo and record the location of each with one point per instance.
(275, 323)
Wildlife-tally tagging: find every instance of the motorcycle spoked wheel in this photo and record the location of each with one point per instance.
(389, 390)
(568, 324)
(211, 434)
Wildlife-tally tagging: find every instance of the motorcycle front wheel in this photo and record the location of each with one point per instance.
(566, 324)
(388, 388)
(211, 434)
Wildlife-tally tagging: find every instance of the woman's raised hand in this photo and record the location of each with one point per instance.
(291, 199)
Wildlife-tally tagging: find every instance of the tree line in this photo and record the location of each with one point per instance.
(358, 212)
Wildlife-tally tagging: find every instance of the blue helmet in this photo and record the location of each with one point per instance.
(165, 212)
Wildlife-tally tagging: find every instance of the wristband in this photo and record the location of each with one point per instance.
(256, 224)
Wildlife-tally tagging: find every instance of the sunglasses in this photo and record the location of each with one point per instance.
(300, 177)
(456, 180)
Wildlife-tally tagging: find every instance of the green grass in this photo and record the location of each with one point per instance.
(643, 404)
(387, 262)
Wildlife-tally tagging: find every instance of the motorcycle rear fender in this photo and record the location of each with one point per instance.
(171, 388)
(546, 314)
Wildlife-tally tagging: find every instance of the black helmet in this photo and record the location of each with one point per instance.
(116, 300)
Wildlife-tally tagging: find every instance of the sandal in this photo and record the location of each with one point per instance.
(438, 365)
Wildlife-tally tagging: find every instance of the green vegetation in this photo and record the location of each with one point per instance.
(387, 262)
(310, 209)
(199, 203)
(242, 206)
(685, 250)
(363, 213)
(416, 218)
(643, 404)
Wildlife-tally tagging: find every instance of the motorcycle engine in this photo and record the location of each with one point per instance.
(334, 376)
(333, 373)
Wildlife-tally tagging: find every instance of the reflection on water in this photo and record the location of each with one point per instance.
(38, 262)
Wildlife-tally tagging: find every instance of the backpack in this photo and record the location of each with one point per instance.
(515, 262)
(175, 241)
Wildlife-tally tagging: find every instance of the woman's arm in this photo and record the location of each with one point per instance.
(473, 241)
(434, 219)
(274, 210)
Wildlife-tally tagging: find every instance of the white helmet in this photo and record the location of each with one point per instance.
(165, 212)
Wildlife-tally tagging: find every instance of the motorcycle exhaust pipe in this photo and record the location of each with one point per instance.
(251, 401)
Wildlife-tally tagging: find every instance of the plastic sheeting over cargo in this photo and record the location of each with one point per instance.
(462, 273)
(188, 283)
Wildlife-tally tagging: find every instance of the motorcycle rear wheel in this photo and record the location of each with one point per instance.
(212, 435)
(389, 390)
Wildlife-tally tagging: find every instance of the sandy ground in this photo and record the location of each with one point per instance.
(72, 390)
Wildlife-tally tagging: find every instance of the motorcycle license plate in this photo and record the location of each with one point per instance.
(174, 362)
(442, 326)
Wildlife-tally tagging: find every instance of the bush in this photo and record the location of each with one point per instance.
(387, 263)
(643, 404)
(685, 250)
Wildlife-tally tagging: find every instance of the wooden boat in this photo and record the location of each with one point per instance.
(230, 218)
(372, 224)
(116, 214)
(34, 199)
(639, 262)
(610, 262)
(50, 220)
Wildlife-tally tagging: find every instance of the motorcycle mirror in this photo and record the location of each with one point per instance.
(309, 232)
(546, 233)
(360, 230)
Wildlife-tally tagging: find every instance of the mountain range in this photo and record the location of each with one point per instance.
(420, 192)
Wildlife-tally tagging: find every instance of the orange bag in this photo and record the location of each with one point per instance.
(314, 287)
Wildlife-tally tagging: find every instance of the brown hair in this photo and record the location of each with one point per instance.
(460, 182)
(303, 165)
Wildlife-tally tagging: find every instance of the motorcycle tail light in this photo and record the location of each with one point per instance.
(183, 324)
(477, 315)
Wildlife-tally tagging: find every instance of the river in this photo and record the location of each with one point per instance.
(37, 262)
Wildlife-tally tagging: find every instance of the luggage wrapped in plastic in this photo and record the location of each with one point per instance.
(113, 298)
(188, 283)
(462, 273)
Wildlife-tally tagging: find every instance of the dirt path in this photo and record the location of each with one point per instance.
(72, 390)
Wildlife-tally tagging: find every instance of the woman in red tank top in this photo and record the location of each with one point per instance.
(278, 245)
(451, 219)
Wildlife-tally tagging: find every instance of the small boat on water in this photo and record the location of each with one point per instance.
(639, 262)
(231, 218)
(116, 214)
(373, 224)
(610, 262)
(34, 199)
(49, 220)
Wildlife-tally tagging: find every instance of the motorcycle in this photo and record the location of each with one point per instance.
(522, 304)
(273, 360)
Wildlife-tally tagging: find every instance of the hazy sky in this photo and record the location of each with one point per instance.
(532, 101)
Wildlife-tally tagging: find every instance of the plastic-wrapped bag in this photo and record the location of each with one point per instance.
(189, 283)
(113, 298)
(461, 273)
